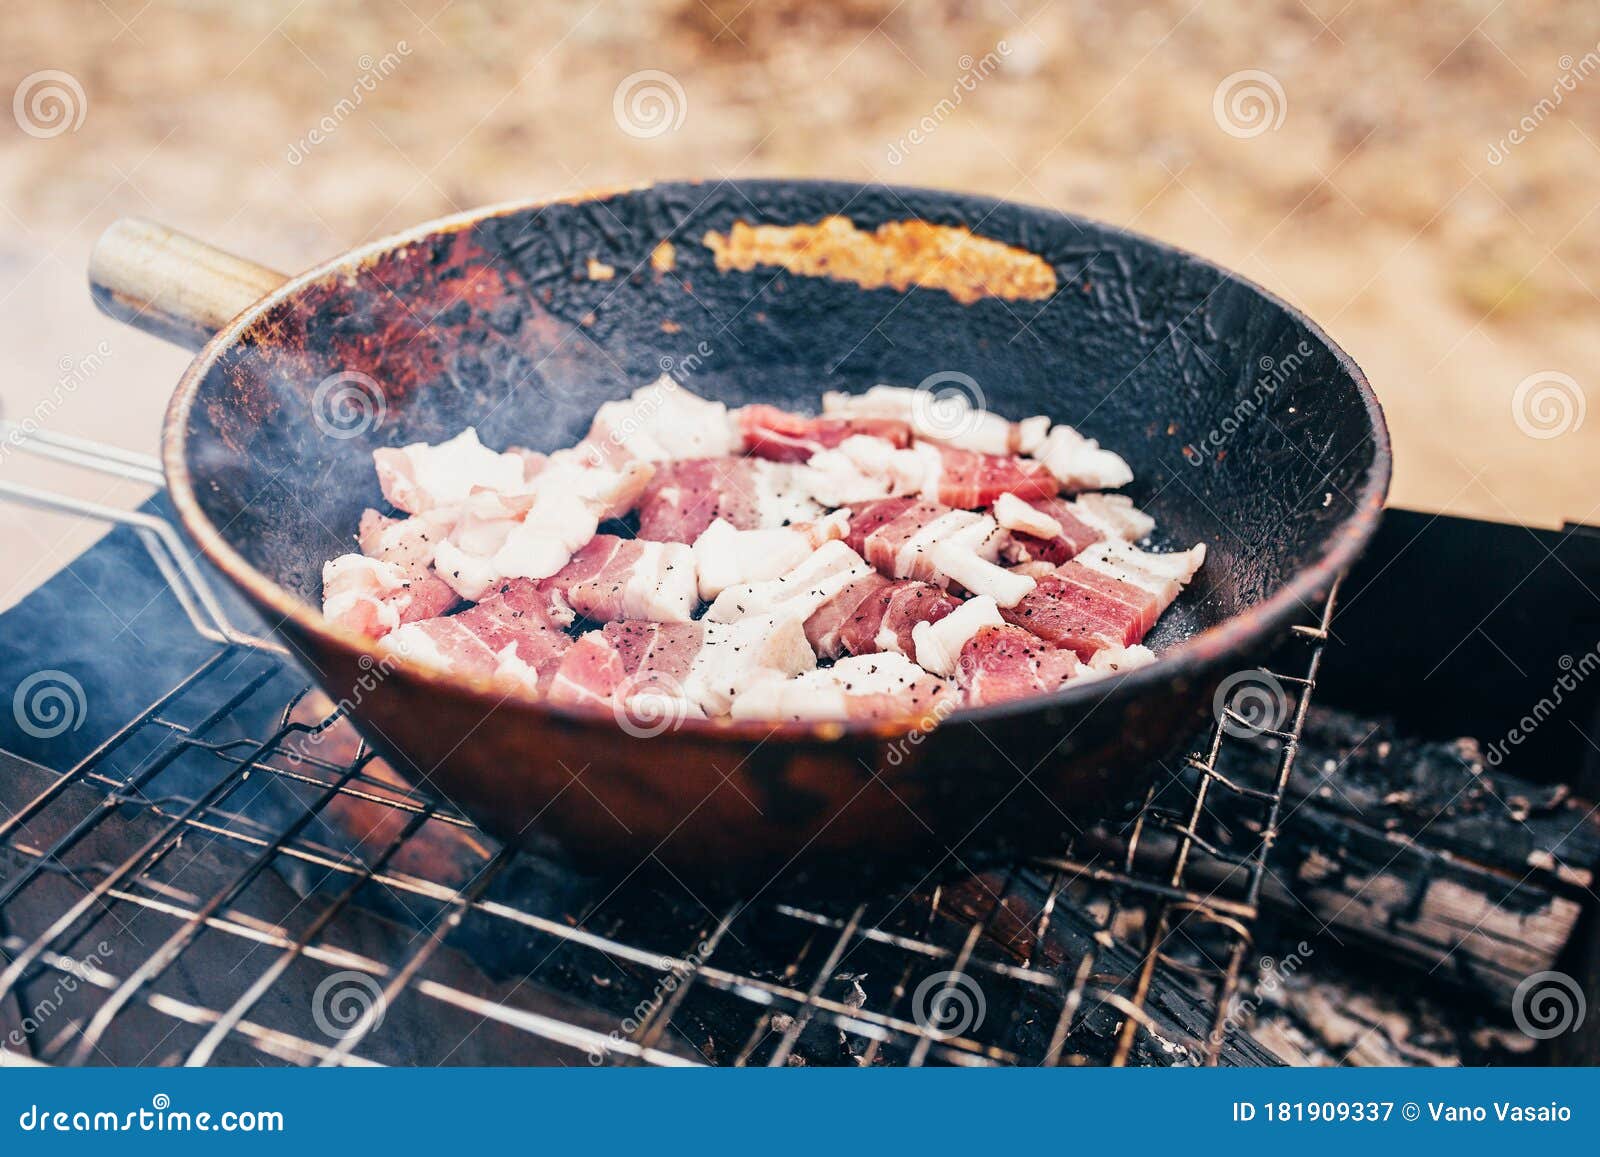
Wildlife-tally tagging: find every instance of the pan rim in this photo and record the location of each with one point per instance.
(1242, 634)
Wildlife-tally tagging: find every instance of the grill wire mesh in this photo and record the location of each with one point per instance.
(160, 923)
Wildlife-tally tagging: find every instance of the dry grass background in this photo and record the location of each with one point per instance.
(1374, 205)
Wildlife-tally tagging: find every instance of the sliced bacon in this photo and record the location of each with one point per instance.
(422, 477)
(968, 479)
(725, 557)
(1070, 526)
(875, 614)
(701, 664)
(947, 416)
(624, 578)
(374, 597)
(408, 544)
(662, 422)
(1004, 662)
(1110, 596)
(863, 687)
(781, 436)
(917, 539)
(686, 497)
(509, 638)
(1080, 463)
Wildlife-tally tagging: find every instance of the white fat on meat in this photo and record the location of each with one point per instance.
(356, 590)
(939, 644)
(753, 651)
(534, 534)
(1163, 575)
(961, 546)
(1113, 515)
(661, 586)
(725, 557)
(946, 416)
(422, 477)
(859, 686)
(863, 468)
(1013, 513)
(799, 592)
(1080, 463)
(664, 421)
(1114, 661)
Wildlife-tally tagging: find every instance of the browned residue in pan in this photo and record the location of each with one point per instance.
(664, 257)
(898, 254)
(599, 271)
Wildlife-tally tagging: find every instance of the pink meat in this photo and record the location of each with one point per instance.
(1001, 663)
(409, 544)
(786, 437)
(1075, 533)
(851, 621)
(969, 480)
(1085, 611)
(594, 583)
(687, 495)
(637, 655)
(880, 528)
(473, 642)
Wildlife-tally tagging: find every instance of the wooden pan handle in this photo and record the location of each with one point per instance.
(171, 285)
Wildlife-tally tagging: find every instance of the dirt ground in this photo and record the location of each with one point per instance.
(1384, 191)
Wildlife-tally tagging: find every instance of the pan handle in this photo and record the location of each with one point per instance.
(171, 285)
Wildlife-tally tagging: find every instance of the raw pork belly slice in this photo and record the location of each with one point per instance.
(1080, 463)
(374, 597)
(946, 416)
(908, 538)
(799, 592)
(1053, 530)
(624, 578)
(408, 544)
(875, 687)
(1004, 662)
(781, 436)
(686, 497)
(874, 614)
(533, 534)
(702, 664)
(969, 479)
(420, 477)
(662, 422)
(725, 557)
(509, 638)
(1108, 597)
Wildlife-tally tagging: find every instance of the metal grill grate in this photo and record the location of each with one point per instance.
(403, 935)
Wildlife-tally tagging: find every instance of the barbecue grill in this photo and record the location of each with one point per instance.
(182, 875)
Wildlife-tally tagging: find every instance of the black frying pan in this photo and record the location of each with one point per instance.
(1248, 429)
